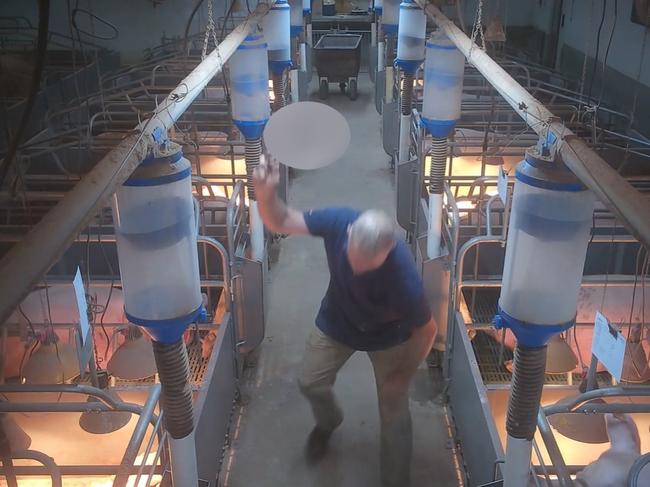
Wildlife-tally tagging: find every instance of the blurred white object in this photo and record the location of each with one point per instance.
(613, 466)
(307, 135)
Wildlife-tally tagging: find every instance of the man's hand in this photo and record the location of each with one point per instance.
(275, 214)
(266, 178)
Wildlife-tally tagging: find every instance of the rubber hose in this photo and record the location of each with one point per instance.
(252, 157)
(407, 94)
(526, 391)
(439, 152)
(174, 373)
(279, 90)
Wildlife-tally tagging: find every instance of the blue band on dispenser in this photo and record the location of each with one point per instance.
(280, 4)
(439, 128)
(244, 47)
(550, 185)
(278, 67)
(389, 28)
(159, 160)
(306, 11)
(250, 129)
(166, 331)
(446, 47)
(159, 180)
(296, 30)
(379, 10)
(529, 334)
(409, 66)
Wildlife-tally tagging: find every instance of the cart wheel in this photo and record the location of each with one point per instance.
(342, 87)
(323, 89)
(352, 90)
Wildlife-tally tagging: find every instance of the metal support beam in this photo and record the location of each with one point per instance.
(27, 262)
(629, 205)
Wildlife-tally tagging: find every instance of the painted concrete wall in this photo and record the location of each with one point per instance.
(141, 23)
(581, 20)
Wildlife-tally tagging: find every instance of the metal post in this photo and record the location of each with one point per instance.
(629, 205)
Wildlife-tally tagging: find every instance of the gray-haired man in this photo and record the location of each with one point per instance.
(375, 303)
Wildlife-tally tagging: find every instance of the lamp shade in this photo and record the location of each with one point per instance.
(103, 422)
(134, 359)
(560, 359)
(52, 363)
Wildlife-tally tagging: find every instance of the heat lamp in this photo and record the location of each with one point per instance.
(134, 359)
(53, 362)
(560, 358)
(104, 422)
(18, 439)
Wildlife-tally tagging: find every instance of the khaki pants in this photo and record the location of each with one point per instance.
(324, 357)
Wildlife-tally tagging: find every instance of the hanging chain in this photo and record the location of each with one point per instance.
(210, 31)
(477, 28)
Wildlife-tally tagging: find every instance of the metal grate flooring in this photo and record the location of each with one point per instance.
(198, 367)
(481, 303)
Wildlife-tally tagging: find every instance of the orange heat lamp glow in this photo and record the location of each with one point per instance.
(222, 165)
(464, 166)
(98, 481)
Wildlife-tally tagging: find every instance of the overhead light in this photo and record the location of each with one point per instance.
(560, 359)
(52, 363)
(585, 428)
(18, 439)
(103, 422)
(134, 359)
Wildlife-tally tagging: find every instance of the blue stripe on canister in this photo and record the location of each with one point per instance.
(550, 185)
(159, 180)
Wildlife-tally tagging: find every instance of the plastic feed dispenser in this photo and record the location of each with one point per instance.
(547, 243)
(411, 36)
(443, 85)
(390, 16)
(249, 78)
(276, 26)
(156, 232)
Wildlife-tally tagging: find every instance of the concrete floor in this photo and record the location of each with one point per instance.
(271, 426)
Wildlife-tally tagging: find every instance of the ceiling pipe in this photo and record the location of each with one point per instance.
(621, 198)
(28, 261)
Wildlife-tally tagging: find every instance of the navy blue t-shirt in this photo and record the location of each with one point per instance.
(371, 311)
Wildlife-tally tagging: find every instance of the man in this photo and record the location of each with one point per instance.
(375, 303)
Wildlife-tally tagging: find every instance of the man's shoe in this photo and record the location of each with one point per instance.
(317, 444)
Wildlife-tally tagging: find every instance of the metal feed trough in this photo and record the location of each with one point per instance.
(337, 58)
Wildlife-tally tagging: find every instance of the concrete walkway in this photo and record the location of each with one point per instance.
(271, 426)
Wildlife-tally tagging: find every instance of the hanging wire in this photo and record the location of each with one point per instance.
(595, 63)
(609, 44)
(640, 271)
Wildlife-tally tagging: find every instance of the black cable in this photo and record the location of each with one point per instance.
(41, 51)
(189, 24)
(609, 44)
(595, 65)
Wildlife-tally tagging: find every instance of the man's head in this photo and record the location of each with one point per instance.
(370, 239)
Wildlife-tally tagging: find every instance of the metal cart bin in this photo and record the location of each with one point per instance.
(337, 58)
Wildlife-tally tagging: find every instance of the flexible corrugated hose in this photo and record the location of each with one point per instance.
(439, 152)
(526, 391)
(279, 90)
(407, 94)
(252, 156)
(174, 373)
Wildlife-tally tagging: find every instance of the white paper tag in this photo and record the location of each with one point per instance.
(502, 186)
(82, 305)
(608, 345)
